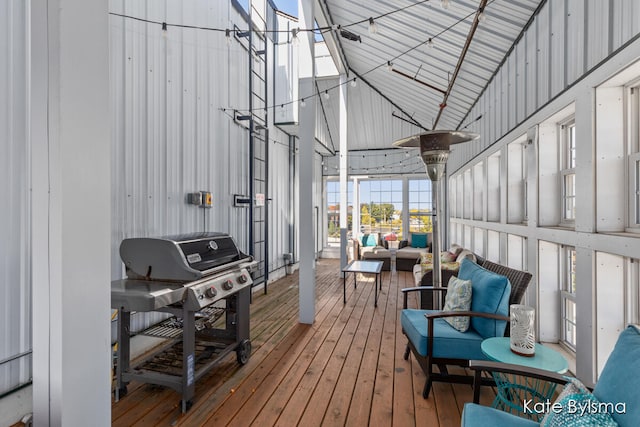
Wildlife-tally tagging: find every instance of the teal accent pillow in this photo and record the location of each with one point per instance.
(618, 381)
(576, 406)
(370, 240)
(458, 299)
(491, 293)
(419, 240)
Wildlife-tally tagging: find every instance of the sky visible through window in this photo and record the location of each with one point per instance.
(386, 191)
(287, 6)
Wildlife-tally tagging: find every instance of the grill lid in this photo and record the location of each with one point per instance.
(180, 257)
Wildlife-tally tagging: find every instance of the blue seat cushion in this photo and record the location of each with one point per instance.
(490, 294)
(447, 342)
(484, 416)
(618, 381)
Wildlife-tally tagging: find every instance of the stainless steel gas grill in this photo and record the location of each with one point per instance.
(199, 278)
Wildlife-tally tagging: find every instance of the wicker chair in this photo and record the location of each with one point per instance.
(519, 281)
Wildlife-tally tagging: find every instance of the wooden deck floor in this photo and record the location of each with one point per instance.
(345, 369)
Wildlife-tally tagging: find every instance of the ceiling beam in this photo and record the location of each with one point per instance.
(504, 59)
(414, 121)
(465, 49)
(331, 37)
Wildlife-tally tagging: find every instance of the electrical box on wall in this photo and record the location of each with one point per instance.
(240, 201)
(207, 199)
(204, 199)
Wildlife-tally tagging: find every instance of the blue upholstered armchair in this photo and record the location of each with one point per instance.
(615, 399)
(434, 341)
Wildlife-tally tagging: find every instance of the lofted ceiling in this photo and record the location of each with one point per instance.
(429, 86)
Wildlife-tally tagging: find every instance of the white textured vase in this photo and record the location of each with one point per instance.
(523, 334)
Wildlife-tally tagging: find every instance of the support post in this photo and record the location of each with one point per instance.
(71, 198)
(343, 170)
(307, 117)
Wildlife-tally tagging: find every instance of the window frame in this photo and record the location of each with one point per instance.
(427, 215)
(632, 292)
(568, 295)
(568, 169)
(633, 149)
(376, 196)
(335, 181)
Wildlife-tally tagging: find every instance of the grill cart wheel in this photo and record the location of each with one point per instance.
(243, 351)
(122, 391)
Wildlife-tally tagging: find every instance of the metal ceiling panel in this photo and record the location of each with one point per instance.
(402, 40)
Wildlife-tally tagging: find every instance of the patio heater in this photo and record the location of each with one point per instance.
(434, 150)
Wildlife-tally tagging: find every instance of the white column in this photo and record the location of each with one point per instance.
(71, 224)
(356, 208)
(342, 135)
(586, 365)
(405, 208)
(306, 117)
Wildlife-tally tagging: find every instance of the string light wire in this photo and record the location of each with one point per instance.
(164, 25)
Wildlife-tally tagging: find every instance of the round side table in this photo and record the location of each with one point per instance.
(513, 390)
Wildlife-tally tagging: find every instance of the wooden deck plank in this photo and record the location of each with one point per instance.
(343, 393)
(404, 407)
(276, 391)
(264, 383)
(345, 369)
(382, 404)
(327, 366)
(360, 406)
(267, 358)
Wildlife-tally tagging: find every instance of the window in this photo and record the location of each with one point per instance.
(516, 178)
(467, 195)
(453, 192)
(633, 127)
(420, 205)
(333, 211)
(568, 297)
(632, 292)
(460, 196)
(381, 206)
(568, 173)
(478, 191)
(493, 188)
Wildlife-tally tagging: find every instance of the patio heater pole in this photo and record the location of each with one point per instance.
(436, 163)
(434, 151)
(435, 223)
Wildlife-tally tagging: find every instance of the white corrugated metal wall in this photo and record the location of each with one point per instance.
(566, 39)
(173, 97)
(15, 216)
(557, 70)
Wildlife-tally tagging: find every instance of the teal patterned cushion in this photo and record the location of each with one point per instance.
(576, 406)
(458, 299)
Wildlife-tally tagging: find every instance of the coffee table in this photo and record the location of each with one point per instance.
(513, 390)
(365, 267)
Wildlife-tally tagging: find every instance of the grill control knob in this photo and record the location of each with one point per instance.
(228, 284)
(242, 279)
(211, 292)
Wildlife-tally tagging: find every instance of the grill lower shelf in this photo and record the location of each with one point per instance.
(191, 343)
(172, 327)
(170, 361)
